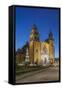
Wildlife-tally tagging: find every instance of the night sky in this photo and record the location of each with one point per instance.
(46, 20)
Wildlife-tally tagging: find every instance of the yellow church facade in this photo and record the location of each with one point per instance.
(41, 53)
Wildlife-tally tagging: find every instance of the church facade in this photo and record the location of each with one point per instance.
(40, 53)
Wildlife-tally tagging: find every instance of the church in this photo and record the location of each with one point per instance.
(37, 52)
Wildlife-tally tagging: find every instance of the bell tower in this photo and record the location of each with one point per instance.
(34, 37)
(51, 48)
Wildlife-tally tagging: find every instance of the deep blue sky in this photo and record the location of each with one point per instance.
(46, 20)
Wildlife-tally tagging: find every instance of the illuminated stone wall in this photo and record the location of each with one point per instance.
(31, 52)
(37, 51)
(51, 51)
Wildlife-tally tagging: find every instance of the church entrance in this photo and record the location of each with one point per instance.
(45, 59)
(44, 56)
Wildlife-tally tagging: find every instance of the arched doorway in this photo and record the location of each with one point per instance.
(44, 55)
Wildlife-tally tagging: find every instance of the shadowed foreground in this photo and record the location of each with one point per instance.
(47, 74)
